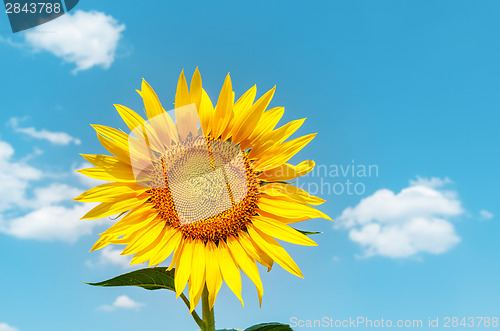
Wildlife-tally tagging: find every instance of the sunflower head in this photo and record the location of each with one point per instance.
(207, 185)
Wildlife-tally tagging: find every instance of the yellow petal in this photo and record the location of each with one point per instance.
(158, 117)
(213, 273)
(197, 279)
(282, 153)
(111, 208)
(254, 251)
(206, 113)
(267, 122)
(120, 151)
(230, 271)
(110, 192)
(130, 117)
(287, 220)
(167, 246)
(137, 218)
(287, 171)
(276, 137)
(274, 250)
(288, 208)
(281, 231)
(149, 251)
(151, 102)
(196, 89)
(182, 93)
(244, 102)
(102, 242)
(290, 192)
(246, 264)
(224, 109)
(250, 117)
(110, 174)
(184, 267)
(145, 239)
(103, 160)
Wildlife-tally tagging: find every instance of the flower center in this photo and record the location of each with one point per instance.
(207, 189)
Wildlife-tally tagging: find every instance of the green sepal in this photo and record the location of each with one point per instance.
(308, 233)
(148, 278)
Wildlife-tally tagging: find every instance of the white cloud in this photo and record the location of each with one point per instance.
(485, 215)
(405, 224)
(6, 327)
(15, 178)
(50, 223)
(86, 39)
(57, 138)
(433, 182)
(110, 256)
(28, 211)
(122, 302)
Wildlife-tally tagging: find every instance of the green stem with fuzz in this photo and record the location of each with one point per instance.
(196, 318)
(208, 314)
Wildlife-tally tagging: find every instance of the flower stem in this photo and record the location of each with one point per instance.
(195, 316)
(208, 314)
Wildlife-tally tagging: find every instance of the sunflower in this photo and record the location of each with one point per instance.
(209, 188)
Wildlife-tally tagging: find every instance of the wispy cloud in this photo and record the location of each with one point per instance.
(413, 221)
(31, 211)
(485, 215)
(122, 302)
(109, 256)
(87, 39)
(6, 327)
(57, 138)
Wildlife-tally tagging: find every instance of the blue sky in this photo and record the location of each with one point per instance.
(410, 87)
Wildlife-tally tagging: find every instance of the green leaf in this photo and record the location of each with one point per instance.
(273, 326)
(308, 233)
(148, 278)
